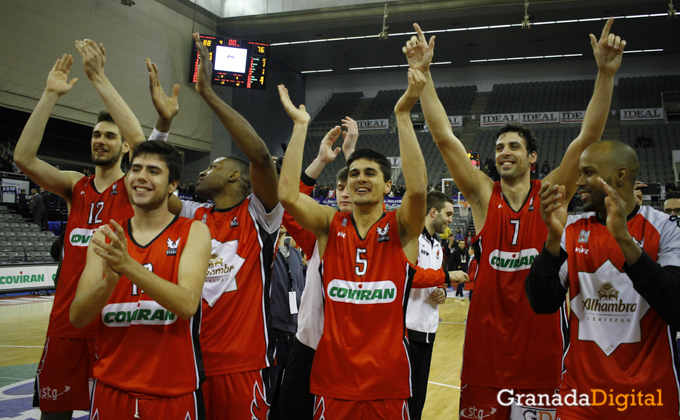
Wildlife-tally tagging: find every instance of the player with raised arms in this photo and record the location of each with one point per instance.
(508, 346)
(142, 285)
(367, 265)
(66, 363)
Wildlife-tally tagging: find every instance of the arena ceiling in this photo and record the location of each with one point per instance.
(464, 35)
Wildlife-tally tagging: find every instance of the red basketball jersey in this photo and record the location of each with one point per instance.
(89, 210)
(142, 347)
(618, 343)
(506, 344)
(363, 353)
(236, 294)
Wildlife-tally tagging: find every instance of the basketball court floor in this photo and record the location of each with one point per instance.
(22, 336)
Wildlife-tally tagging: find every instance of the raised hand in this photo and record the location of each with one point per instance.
(326, 152)
(418, 51)
(114, 253)
(350, 136)
(57, 81)
(94, 57)
(298, 115)
(416, 83)
(553, 209)
(617, 216)
(167, 108)
(638, 191)
(608, 51)
(204, 68)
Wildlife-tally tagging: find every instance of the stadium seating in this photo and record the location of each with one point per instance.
(655, 162)
(566, 95)
(339, 106)
(645, 92)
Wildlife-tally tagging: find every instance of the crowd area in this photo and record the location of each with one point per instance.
(275, 306)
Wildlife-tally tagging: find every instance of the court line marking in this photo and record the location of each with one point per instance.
(7, 377)
(449, 386)
(37, 347)
(4, 397)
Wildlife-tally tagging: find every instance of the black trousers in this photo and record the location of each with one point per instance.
(284, 344)
(421, 356)
(295, 400)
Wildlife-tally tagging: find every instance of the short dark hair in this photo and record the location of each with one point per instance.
(672, 194)
(243, 167)
(105, 116)
(522, 131)
(342, 175)
(172, 156)
(437, 199)
(373, 156)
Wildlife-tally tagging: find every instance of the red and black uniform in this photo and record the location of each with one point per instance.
(623, 319)
(363, 353)
(143, 349)
(236, 334)
(65, 369)
(508, 346)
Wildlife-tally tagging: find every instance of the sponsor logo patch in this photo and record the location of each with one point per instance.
(362, 293)
(512, 261)
(145, 312)
(81, 237)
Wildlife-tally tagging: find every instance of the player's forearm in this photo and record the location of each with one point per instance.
(597, 112)
(629, 247)
(163, 124)
(179, 300)
(289, 180)
(241, 131)
(31, 137)
(87, 306)
(659, 286)
(121, 113)
(315, 168)
(543, 286)
(552, 245)
(415, 172)
(434, 112)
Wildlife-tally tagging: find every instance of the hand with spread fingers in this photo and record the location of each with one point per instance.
(57, 81)
(416, 84)
(419, 51)
(553, 209)
(167, 107)
(608, 51)
(326, 152)
(350, 136)
(298, 115)
(204, 68)
(94, 57)
(115, 252)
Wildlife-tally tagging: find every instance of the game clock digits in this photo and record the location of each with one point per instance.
(236, 62)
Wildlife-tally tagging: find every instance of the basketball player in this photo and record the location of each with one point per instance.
(361, 365)
(235, 337)
(621, 264)
(62, 382)
(506, 344)
(142, 281)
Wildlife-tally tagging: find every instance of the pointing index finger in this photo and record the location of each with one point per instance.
(606, 29)
(419, 31)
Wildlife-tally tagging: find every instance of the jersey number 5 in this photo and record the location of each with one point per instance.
(362, 263)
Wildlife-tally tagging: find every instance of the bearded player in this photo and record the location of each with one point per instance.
(507, 346)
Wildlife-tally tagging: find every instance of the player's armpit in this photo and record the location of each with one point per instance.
(193, 265)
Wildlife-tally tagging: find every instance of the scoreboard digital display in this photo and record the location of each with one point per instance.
(236, 62)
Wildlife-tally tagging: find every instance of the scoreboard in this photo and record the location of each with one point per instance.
(236, 62)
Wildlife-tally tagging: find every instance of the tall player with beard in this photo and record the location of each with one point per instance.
(621, 264)
(142, 283)
(507, 346)
(368, 258)
(66, 363)
(235, 337)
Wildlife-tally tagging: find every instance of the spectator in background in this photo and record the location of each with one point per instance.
(15, 168)
(472, 272)
(459, 236)
(545, 170)
(534, 170)
(672, 204)
(331, 193)
(459, 261)
(648, 141)
(22, 204)
(677, 186)
(46, 201)
(640, 141)
(468, 238)
(670, 185)
(183, 188)
(492, 168)
(191, 190)
(38, 209)
(2, 162)
(446, 234)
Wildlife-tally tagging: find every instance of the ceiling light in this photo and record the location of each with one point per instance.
(316, 71)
